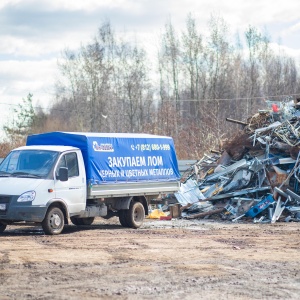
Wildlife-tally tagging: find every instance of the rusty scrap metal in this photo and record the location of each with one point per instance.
(236, 121)
(208, 213)
(261, 160)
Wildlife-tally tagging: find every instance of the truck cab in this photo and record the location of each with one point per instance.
(35, 178)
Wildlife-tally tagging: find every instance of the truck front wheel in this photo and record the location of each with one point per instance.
(2, 227)
(135, 215)
(54, 221)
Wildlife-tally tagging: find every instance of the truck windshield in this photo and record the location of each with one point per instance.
(28, 163)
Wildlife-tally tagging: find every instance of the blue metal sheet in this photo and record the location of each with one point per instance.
(118, 157)
(259, 207)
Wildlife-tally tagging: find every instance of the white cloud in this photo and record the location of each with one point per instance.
(293, 30)
(41, 47)
(4, 3)
(18, 78)
(18, 46)
(28, 70)
(89, 5)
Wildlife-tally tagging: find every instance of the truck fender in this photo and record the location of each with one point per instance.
(61, 204)
(124, 203)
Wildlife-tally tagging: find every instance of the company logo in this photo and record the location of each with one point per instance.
(103, 147)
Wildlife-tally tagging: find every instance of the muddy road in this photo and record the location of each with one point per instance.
(177, 259)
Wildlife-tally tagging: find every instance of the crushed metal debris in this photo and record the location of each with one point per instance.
(255, 177)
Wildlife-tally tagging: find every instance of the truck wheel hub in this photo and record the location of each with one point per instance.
(55, 221)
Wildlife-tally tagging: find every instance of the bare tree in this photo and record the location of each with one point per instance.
(219, 69)
(171, 58)
(107, 84)
(192, 56)
(254, 41)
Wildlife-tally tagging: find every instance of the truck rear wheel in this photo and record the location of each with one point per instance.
(82, 221)
(75, 221)
(122, 218)
(54, 221)
(135, 215)
(2, 227)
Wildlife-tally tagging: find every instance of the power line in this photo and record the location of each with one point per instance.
(174, 100)
(207, 99)
(232, 99)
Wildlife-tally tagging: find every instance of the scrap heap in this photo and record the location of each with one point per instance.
(255, 177)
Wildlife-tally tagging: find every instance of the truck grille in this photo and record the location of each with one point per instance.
(4, 199)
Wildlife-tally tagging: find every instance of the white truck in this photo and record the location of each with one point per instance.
(62, 176)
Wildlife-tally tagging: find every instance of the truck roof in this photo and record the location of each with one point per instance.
(118, 135)
(118, 157)
(47, 147)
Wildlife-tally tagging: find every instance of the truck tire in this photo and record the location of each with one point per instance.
(122, 218)
(75, 221)
(2, 227)
(88, 221)
(54, 221)
(82, 221)
(135, 215)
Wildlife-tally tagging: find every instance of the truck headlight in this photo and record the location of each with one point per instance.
(3, 206)
(27, 196)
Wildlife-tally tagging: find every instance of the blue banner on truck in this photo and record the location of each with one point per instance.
(119, 157)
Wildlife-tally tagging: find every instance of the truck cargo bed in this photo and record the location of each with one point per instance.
(131, 189)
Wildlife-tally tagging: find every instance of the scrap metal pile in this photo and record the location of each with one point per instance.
(255, 177)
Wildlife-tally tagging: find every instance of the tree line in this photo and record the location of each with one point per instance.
(186, 90)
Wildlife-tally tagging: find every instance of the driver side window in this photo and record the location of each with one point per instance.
(69, 161)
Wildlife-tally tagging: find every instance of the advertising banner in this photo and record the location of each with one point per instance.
(115, 157)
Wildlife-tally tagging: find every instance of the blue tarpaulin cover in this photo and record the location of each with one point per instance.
(118, 157)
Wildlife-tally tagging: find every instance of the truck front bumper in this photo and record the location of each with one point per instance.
(13, 211)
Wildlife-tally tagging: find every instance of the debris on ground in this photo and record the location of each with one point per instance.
(256, 176)
(156, 214)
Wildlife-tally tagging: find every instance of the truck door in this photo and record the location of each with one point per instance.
(73, 190)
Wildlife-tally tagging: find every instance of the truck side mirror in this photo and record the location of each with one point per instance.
(63, 174)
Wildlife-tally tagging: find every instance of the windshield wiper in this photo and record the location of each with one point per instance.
(25, 174)
(4, 174)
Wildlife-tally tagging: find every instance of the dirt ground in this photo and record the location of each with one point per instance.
(178, 259)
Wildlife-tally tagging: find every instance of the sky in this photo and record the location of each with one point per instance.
(33, 33)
